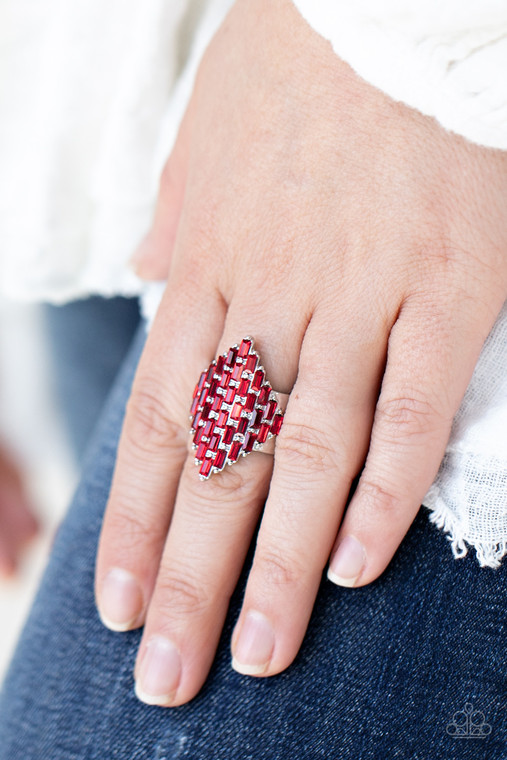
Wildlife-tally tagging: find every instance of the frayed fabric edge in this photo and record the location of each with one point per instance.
(487, 554)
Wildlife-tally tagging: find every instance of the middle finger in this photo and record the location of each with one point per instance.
(212, 526)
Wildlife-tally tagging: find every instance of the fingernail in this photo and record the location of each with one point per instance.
(121, 600)
(254, 646)
(347, 562)
(159, 673)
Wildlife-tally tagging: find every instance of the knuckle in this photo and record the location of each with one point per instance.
(439, 252)
(132, 531)
(275, 569)
(232, 485)
(305, 446)
(379, 497)
(231, 488)
(149, 425)
(178, 594)
(406, 416)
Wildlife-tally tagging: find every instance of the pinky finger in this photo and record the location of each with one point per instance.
(428, 369)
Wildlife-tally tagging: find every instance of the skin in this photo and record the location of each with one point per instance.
(364, 248)
(17, 523)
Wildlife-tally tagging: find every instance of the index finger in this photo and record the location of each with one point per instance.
(152, 449)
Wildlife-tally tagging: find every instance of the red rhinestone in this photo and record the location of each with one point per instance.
(249, 441)
(201, 451)
(196, 421)
(222, 419)
(230, 395)
(242, 425)
(244, 348)
(237, 371)
(213, 388)
(200, 384)
(228, 434)
(195, 404)
(220, 458)
(203, 397)
(205, 412)
(208, 428)
(263, 432)
(205, 468)
(213, 444)
(236, 411)
(258, 379)
(217, 403)
(255, 418)
(250, 402)
(231, 356)
(243, 387)
(198, 435)
(250, 363)
(224, 382)
(263, 396)
(269, 410)
(276, 424)
(234, 451)
(210, 373)
(220, 365)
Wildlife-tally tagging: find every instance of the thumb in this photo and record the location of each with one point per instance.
(152, 259)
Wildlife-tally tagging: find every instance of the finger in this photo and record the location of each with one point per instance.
(152, 450)
(319, 451)
(152, 259)
(430, 362)
(212, 527)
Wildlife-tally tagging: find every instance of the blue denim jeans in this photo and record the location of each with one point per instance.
(88, 339)
(402, 668)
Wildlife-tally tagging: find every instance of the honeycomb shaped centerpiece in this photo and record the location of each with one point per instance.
(234, 409)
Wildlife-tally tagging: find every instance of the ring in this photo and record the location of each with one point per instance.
(234, 410)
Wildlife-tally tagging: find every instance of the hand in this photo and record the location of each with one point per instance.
(17, 522)
(364, 248)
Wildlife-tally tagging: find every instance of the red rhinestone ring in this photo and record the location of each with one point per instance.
(234, 410)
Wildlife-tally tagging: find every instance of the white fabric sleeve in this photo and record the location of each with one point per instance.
(83, 90)
(91, 97)
(445, 58)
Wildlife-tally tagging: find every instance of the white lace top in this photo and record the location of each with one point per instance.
(91, 96)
